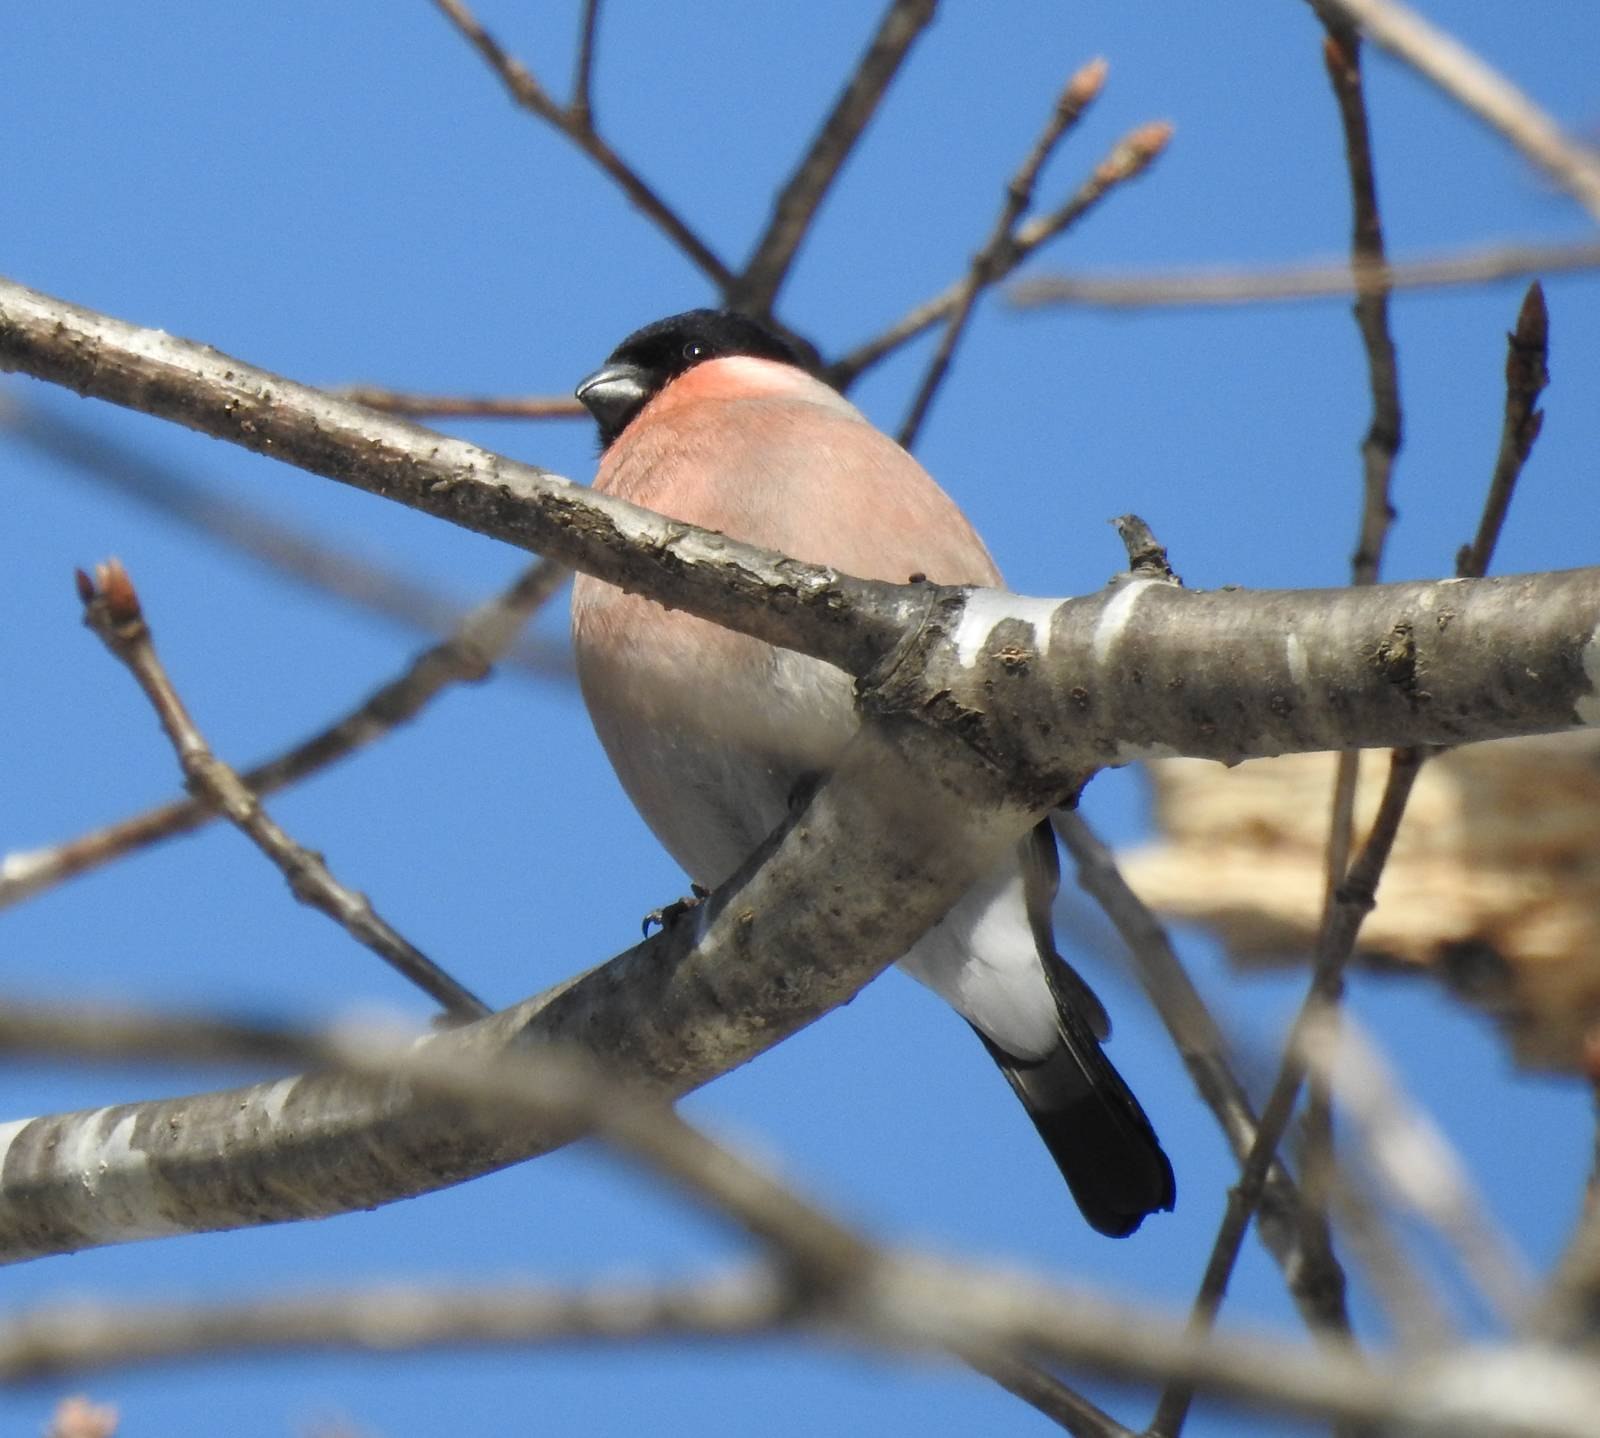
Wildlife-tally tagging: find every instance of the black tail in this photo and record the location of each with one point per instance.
(1089, 1119)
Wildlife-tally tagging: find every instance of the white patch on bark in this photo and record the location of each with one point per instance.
(988, 608)
(117, 1196)
(9, 1131)
(22, 868)
(274, 1100)
(1588, 705)
(1116, 615)
(1294, 651)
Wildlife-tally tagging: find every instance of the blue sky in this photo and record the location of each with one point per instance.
(342, 193)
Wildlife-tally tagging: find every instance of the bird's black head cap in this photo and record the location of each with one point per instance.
(650, 359)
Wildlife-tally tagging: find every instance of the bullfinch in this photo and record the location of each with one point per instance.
(711, 418)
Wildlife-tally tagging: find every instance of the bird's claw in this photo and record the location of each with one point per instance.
(668, 913)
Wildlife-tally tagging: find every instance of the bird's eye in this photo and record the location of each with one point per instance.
(693, 351)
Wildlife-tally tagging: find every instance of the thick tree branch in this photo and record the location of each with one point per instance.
(199, 387)
(1533, 1393)
(754, 963)
(1139, 669)
(984, 710)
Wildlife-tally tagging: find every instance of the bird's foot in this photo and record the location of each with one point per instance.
(668, 913)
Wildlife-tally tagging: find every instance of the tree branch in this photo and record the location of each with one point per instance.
(796, 206)
(112, 611)
(462, 406)
(1334, 279)
(1076, 96)
(481, 640)
(1478, 88)
(249, 530)
(576, 123)
(1130, 157)
(1136, 670)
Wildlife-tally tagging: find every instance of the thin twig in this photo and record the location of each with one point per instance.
(581, 106)
(478, 643)
(1568, 1311)
(113, 613)
(1527, 373)
(1047, 1394)
(576, 125)
(463, 406)
(1478, 88)
(1416, 1321)
(1355, 899)
(1129, 157)
(757, 286)
(1341, 54)
(1335, 279)
(259, 536)
(1315, 1277)
(1076, 96)
(1415, 1163)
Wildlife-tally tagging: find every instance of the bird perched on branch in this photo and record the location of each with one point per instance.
(711, 418)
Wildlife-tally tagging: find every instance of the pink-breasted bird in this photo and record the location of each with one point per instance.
(711, 418)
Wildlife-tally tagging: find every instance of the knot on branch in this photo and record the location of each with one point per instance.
(988, 699)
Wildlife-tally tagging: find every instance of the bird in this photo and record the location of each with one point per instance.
(712, 418)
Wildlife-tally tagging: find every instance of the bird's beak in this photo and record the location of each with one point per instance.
(613, 395)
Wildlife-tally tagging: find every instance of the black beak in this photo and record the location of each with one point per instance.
(613, 395)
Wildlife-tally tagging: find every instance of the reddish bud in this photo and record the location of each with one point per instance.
(116, 591)
(1134, 152)
(1085, 86)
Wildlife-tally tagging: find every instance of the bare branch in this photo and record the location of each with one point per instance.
(1354, 901)
(1130, 157)
(1415, 1162)
(1078, 94)
(81, 1337)
(849, 1285)
(575, 124)
(1342, 55)
(251, 531)
(753, 964)
(462, 406)
(1332, 280)
(112, 611)
(1046, 1393)
(582, 104)
(1527, 373)
(1478, 88)
(465, 657)
(797, 203)
(825, 1268)
(1315, 1278)
(1501, 657)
